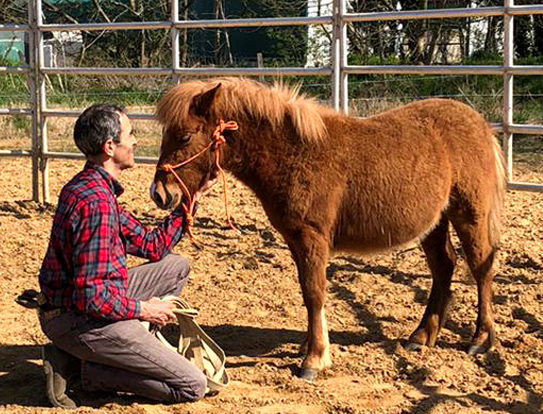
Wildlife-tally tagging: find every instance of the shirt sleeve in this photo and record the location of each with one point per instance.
(151, 244)
(99, 283)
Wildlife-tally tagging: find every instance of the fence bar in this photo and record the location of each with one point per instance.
(508, 51)
(90, 27)
(74, 114)
(14, 69)
(514, 185)
(526, 10)
(498, 128)
(426, 70)
(262, 22)
(519, 129)
(16, 111)
(424, 14)
(524, 70)
(79, 156)
(526, 129)
(107, 71)
(301, 71)
(441, 13)
(63, 155)
(16, 153)
(323, 71)
(445, 70)
(14, 27)
(187, 24)
(33, 91)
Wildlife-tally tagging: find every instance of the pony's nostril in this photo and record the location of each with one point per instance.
(158, 199)
(160, 195)
(152, 191)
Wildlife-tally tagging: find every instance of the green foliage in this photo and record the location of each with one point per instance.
(21, 123)
(482, 57)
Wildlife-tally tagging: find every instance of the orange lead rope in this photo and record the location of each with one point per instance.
(217, 140)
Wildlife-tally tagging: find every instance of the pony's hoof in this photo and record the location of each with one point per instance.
(413, 346)
(477, 349)
(309, 374)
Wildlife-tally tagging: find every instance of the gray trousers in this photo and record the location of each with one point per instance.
(123, 355)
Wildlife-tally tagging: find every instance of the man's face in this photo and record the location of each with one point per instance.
(123, 154)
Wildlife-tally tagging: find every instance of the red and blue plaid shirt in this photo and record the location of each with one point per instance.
(85, 264)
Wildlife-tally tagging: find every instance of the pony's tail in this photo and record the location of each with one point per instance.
(494, 218)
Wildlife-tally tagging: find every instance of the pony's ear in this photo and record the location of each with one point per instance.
(201, 103)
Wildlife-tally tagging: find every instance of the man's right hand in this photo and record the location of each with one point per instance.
(157, 311)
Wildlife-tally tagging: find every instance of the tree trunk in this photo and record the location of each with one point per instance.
(491, 44)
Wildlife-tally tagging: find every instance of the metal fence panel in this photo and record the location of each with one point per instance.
(338, 70)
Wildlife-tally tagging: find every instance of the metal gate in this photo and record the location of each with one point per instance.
(338, 70)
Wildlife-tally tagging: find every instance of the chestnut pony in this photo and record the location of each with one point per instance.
(330, 182)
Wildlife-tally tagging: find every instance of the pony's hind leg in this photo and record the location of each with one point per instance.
(441, 259)
(480, 253)
(310, 252)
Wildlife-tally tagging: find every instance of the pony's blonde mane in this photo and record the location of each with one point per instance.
(243, 97)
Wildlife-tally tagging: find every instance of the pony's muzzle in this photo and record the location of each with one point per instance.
(163, 198)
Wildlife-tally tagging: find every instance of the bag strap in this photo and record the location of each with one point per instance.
(196, 345)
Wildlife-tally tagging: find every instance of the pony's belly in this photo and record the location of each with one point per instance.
(379, 238)
(362, 247)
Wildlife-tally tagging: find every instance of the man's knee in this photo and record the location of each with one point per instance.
(180, 269)
(184, 269)
(192, 391)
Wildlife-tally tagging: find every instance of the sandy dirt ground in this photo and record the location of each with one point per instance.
(246, 289)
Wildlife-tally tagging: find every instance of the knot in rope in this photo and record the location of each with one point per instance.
(218, 137)
(189, 218)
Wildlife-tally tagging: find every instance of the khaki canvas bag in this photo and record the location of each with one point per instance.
(194, 344)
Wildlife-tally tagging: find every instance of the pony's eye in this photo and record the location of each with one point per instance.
(186, 138)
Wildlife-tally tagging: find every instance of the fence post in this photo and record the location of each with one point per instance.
(336, 52)
(344, 51)
(32, 87)
(508, 61)
(175, 40)
(42, 104)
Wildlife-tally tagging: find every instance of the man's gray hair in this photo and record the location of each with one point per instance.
(95, 126)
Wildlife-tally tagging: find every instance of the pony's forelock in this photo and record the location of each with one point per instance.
(238, 96)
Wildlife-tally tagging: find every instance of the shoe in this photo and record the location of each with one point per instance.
(61, 370)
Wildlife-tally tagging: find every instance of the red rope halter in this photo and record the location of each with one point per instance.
(216, 141)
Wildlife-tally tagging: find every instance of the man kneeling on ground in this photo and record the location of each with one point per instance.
(94, 303)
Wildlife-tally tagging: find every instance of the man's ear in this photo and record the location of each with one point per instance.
(109, 147)
(201, 103)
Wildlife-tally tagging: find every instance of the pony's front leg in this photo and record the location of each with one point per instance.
(310, 251)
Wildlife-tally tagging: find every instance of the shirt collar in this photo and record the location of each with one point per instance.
(114, 185)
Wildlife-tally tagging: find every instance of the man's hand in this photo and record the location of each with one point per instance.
(157, 311)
